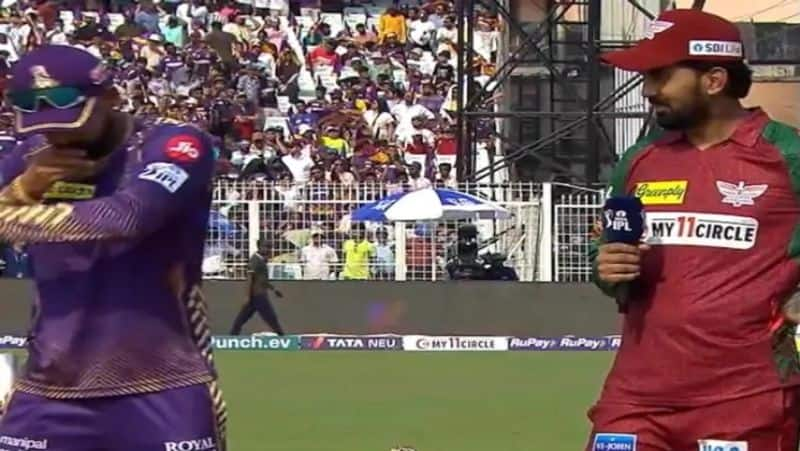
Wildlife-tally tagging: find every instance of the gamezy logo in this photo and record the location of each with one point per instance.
(203, 444)
(669, 192)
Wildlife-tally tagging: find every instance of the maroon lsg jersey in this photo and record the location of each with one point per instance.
(704, 321)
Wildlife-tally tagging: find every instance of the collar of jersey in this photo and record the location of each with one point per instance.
(747, 133)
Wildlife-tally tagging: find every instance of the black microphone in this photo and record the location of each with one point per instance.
(624, 221)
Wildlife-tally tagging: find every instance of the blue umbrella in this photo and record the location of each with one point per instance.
(222, 226)
(429, 204)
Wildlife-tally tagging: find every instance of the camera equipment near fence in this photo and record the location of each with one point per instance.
(466, 264)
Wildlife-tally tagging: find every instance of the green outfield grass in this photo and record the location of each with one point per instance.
(371, 401)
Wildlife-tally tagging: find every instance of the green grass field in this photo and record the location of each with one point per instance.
(372, 401)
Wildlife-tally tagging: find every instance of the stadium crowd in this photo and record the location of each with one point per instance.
(299, 94)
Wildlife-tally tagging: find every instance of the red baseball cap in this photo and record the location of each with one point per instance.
(681, 35)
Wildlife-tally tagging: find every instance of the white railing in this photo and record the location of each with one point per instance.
(286, 214)
(574, 212)
(547, 238)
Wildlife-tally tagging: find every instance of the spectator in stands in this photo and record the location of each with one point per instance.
(445, 177)
(415, 177)
(363, 36)
(384, 256)
(174, 31)
(16, 262)
(317, 258)
(392, 23)
(222, 43)
(358, 252)
(422, 32)
(359, 105)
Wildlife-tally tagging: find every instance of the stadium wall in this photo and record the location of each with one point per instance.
(432, 308)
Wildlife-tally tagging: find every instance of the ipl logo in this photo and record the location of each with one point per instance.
(617, 220)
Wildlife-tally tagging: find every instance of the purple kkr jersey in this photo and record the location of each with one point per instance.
(171, 64)
(118, 269)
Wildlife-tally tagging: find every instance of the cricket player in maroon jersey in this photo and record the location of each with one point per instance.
(707, 360)
(115, 218)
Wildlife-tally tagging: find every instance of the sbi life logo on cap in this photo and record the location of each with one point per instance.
(716, 48)
(721, 445)
(614, 442)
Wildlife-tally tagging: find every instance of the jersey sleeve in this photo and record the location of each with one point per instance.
(12, 166)
(175, 166)
(616, 187)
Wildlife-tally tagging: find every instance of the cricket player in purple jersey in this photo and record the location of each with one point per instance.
(115, 218)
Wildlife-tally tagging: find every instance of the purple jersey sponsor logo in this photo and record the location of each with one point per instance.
(202, 444)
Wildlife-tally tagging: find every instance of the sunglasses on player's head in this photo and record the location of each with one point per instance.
(61, 97)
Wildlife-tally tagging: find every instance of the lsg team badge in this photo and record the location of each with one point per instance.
(614, 442)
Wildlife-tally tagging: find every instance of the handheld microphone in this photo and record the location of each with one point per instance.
(624, 221)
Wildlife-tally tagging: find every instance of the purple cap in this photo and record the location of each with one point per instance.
(53, 66)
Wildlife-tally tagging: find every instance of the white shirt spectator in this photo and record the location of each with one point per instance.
(13, 56)
(56, 37)
(404, 113)
(299, 165)
(420, 182)
(289, 194)
(485, 42)
(153, 57)
(188, 13)
(317, 261)
(449, 182)
(95, 50)
(446, 34)
(242, 159)
(421, 32)
(381, 124)
(405, 135)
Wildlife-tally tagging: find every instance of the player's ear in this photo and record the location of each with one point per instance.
(716, 79)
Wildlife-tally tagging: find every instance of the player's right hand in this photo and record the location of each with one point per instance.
(620, 262)
(51, 165)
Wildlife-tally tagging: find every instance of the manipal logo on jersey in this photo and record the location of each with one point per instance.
(701, 229)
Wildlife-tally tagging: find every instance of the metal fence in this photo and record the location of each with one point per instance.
(574, 213)
(285, 215)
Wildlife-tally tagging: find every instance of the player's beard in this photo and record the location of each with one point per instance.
(682, 118)
(104, 144)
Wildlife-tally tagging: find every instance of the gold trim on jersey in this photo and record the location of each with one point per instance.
(134, 388)
(197, 315)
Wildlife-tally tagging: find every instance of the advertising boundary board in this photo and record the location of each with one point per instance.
(389, 342)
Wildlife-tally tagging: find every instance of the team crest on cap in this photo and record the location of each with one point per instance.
(657, 26)
(41, 78)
